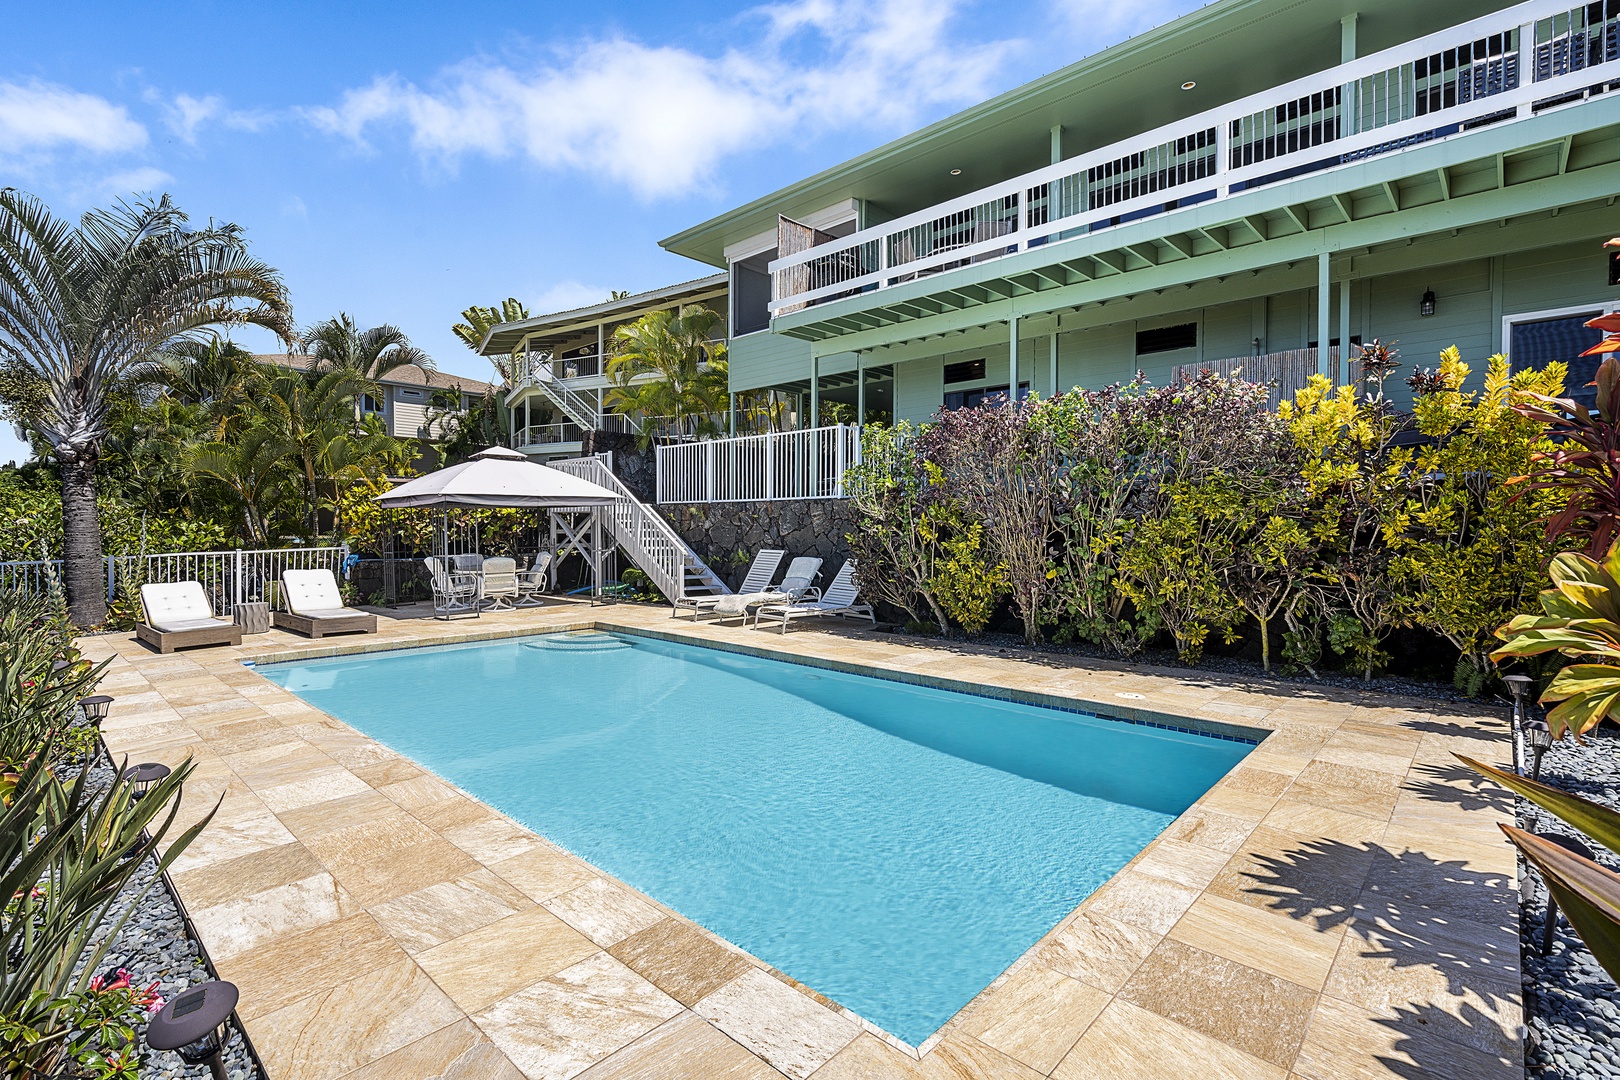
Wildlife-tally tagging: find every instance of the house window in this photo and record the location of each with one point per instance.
(965, 371)
(1167, 338)
(369, 405)
(968, 399)
(1537, 339)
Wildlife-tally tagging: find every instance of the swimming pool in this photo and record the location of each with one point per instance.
(894, 847)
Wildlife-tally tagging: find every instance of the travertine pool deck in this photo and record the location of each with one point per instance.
(1340, 906)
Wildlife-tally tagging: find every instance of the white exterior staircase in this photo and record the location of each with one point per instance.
(650, 541)
(535, 370)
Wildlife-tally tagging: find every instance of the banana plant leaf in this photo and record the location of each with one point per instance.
(1596, 821)
(1588, 894)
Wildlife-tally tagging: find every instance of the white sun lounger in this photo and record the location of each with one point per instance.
(759, 575)
(799, 579)
(178, 614)
(315, 607)
(840, 598)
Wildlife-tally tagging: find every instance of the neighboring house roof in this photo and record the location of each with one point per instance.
(505, 337)
(409, 375)
(1228, 48)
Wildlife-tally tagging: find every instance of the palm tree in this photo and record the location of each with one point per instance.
(312, 426)
(251, 466)
(84, 306)
(370, 354)
(690, 383)
(480, 320)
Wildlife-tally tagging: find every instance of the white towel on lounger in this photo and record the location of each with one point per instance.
(741, 602)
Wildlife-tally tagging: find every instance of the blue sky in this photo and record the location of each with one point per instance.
(402, 161)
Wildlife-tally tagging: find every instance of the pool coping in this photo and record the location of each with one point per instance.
(842, 652)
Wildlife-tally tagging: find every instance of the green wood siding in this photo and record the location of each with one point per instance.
(766, 359)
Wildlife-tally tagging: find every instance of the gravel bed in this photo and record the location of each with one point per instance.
(1572, 1007)
(152, 945)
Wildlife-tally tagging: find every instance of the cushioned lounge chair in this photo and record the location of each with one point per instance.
(760, 573)
(315, 607)
(178, 615)
(840, 598)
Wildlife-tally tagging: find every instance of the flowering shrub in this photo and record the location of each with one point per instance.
(1195, 512)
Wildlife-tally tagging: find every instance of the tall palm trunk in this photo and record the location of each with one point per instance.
(83, 571)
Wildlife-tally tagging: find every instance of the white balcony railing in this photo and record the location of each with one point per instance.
(548, 434)
(807, 464)
(1500, 68)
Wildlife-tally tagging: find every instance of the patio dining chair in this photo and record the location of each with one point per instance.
(500, 584)
(455, 592)
(533, 582)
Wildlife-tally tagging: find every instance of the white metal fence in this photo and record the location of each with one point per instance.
(229, 577)
(807, 464)
(1503, 67)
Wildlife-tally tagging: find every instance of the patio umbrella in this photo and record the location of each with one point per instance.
(498, 478)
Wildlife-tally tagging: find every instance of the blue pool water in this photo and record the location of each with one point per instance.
(894, 847)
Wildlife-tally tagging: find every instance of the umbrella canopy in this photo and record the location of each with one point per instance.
(496, 478)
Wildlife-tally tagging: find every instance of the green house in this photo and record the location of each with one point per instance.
(1231, 190)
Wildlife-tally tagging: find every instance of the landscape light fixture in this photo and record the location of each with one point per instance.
(1570, 844)
(1426, 305)
(1188, 85)
(1541, 740)
(95, 708)
(143, 776)
(1519, 687)
(192, 1025)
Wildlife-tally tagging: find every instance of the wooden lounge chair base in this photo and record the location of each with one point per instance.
(342, 624)
(166, 641)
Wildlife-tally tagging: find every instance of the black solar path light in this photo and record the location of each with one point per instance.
(192, 1025)
(1539, 735)
(143, 776)
(95, 708)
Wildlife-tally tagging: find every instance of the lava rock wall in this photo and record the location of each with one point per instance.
(726, 535)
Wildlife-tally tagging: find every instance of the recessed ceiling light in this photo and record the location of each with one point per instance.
(1188, 85)
(956, 172)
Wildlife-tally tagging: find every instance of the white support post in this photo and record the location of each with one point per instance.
(236, 578)
(1054, 386)
(1343, 366)
(1012, 359)
(1323, 287)
(860, 392)
(815, 390)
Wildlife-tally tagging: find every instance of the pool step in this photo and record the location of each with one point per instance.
(579, 641)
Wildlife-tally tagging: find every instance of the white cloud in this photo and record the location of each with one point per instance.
(661, 119)
(38, 117)
(186, 114)
(142, 181)
(567, 295)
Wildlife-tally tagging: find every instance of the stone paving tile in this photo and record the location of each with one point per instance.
(479, 968)
(681, 960)
(1346, 883)
(684, 1048)
(562, 1025)
(791, 1032)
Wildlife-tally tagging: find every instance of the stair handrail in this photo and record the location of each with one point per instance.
(652, 542)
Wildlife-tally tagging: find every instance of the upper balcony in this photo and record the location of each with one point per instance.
(1496, 71)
